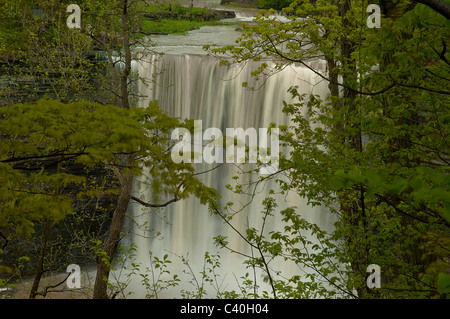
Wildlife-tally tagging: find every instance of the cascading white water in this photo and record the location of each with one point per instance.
(197, 87)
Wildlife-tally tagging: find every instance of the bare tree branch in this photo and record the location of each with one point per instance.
(173, 200)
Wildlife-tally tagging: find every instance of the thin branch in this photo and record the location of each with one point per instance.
(234, 228)
(208, 170)
(387, 88)
(173, 200)
(26, 158)
(46, 289)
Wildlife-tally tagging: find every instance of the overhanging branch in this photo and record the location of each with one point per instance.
(173, 200)
(438, 5)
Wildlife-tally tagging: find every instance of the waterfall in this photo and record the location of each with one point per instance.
(197, 87)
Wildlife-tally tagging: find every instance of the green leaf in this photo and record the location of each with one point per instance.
(443, 284)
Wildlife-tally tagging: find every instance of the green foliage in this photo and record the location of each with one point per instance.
(423, 186)
(38, 138)
(443, 284)
(42, 142)
(174, 7)
(375, 151)
(157, 271)
(298, 243)
(274, 4)
(50, 147)
(43, 57)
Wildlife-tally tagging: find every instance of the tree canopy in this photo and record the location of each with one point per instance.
(375, 151)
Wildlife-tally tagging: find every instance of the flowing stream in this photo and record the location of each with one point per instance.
(195, 86)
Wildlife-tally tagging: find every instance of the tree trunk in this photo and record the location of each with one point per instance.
(45, 236)
(111, 243)
(126, 47)
(126, 179)
(40, 265)
(352, 201)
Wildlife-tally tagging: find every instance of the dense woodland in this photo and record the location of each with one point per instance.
(375, 152)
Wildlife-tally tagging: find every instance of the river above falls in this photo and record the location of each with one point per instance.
(220, 35)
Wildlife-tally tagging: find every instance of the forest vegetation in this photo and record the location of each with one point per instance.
(375, 152)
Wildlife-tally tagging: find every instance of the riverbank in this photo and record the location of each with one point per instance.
(177, 18)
